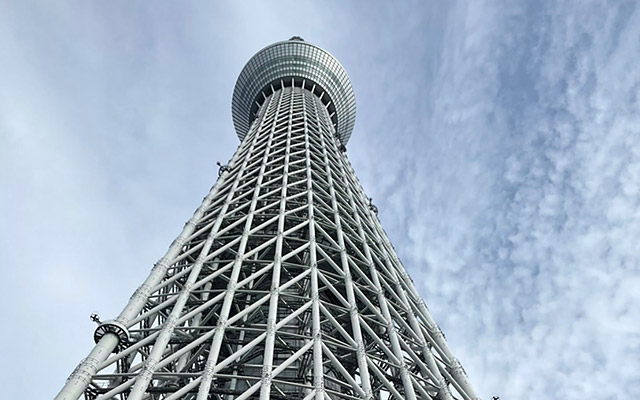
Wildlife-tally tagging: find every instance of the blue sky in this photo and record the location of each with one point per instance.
(500, 141)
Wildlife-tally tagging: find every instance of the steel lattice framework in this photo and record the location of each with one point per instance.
(282, 285)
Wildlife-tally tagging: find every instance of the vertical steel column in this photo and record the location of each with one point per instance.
(81, 376)
(267, 364)
(318, 367)
(207, 375)
(432, 368)
(143, 379)
(460, 379)
(351, 298)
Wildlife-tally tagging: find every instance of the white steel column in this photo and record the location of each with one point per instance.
(316, 333)
(207, 376)
(81, 376)
(351, 298)
(267, 366)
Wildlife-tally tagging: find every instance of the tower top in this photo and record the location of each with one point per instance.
(294, 62)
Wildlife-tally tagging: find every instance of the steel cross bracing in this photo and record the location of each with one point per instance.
(283, 285)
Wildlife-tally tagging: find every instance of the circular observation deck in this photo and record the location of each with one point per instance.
(298, 63)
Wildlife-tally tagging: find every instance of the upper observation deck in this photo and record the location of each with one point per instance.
(299, 63)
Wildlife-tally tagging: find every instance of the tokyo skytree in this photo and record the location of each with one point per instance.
(283, 284)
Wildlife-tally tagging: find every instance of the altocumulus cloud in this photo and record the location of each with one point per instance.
(521, 224)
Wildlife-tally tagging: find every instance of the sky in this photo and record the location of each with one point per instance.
(500, 141)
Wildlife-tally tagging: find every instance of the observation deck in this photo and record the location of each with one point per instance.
(298, 63)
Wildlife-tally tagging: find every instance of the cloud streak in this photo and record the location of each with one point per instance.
(526, 193)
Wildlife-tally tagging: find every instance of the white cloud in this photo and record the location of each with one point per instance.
(527, 199)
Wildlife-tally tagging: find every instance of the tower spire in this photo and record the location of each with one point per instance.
(283, 284)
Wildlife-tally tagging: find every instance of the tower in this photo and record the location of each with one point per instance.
(283, 284)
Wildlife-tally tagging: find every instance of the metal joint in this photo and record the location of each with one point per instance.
(360, 349)
(222, 168)
(266, 373)
(188, 286)
(148, 368)
(372, 206)
(161, 265)
(143, 291)
(117, 329)
(271, 326)
(171, 323)
(178, 241)
(438, 333)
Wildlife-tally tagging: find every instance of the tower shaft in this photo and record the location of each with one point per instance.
(283, 285)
